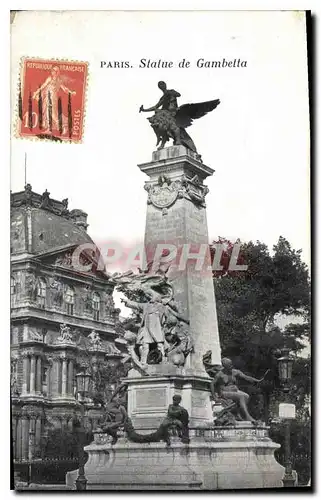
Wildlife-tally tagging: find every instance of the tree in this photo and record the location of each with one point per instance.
(106, 374)
(300, 446)
(248, 303)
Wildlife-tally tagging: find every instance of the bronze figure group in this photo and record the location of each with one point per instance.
(171, 120)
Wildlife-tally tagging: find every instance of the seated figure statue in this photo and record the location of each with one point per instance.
(115, 414)
(177, 417)
(224, 386)
(116, 419)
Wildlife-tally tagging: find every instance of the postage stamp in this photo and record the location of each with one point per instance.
(52, 99)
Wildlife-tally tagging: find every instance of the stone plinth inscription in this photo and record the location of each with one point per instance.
(151, 398)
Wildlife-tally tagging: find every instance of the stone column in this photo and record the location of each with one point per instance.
(32, 432)
(49, 367)
(49, 383)
(70, 424)
(70, 376)
(38, 436)
(25, 374)
(64, 375)
(39, 375)
(14, 436)
(59, 376)
(33, 374)
(25, 437)
(54, 376)
(18, 454)
(64, 424)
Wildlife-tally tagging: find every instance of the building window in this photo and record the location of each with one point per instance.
(96, 306)
(69, 300)
(41, 293)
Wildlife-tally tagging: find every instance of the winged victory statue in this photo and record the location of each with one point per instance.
(171, 120)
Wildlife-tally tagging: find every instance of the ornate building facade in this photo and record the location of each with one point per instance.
(60, 315)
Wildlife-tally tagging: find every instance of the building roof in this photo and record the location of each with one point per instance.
(40, 224)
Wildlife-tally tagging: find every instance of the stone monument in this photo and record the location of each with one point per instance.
(176, 217)
(173, 326)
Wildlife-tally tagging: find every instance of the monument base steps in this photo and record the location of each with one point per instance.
(215, 459)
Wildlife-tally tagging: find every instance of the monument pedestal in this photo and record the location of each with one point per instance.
(149, 397)
(215, 459)
(176, 217)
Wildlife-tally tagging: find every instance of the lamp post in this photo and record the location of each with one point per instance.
(82, 381)
(285, 363)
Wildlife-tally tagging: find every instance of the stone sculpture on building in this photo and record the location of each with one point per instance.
(56, 289)
(95, 340)
(34, 334)
(109, 305)
(64, 260)
(64, 210)
(45, 199)
(65, 335)
(87, 300)
(30, 286)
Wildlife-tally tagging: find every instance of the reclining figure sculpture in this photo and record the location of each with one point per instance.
(116, 419)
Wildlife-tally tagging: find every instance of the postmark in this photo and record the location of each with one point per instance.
(51, 99)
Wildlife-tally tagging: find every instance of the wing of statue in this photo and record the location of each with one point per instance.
(189, 112)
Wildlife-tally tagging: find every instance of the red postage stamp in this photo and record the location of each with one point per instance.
(52, 99)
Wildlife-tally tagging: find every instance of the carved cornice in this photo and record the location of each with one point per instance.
(31, 352)
(61, 356)
(29, 412)
(175, 158)
(27, 353)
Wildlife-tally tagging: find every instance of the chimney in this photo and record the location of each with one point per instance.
(79, 218)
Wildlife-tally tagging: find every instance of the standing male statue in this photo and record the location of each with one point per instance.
(151, 328)
(157, 316)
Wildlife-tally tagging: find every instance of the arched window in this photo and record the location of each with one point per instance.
(69, 298)
(96, 306)
(41, 293)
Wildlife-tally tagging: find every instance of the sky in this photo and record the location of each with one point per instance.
(257, 140)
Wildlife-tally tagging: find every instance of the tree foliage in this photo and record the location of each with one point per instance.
(300, 439)
(249, 303)
(106, 372)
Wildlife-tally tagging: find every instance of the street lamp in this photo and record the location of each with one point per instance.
(285, 364)
(82, 381)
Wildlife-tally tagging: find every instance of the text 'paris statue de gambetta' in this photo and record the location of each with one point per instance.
(171, 120)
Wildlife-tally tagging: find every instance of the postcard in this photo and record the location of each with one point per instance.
(160, 250)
